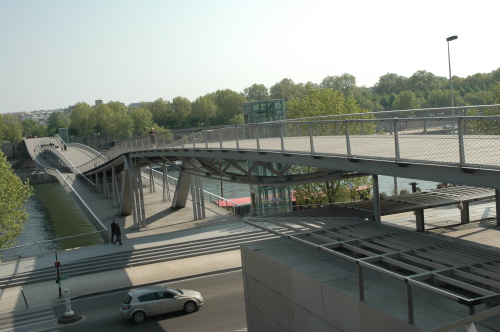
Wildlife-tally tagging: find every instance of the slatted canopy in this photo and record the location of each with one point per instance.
(466, 272)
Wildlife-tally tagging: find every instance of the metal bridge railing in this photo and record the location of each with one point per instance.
(465, 136)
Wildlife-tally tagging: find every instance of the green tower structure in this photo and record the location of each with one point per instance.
(268, 200)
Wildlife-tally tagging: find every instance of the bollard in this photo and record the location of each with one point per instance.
(68, 312)
(69, 315)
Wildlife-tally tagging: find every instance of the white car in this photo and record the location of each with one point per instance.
(140, 303)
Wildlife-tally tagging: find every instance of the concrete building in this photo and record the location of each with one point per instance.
(348, 274)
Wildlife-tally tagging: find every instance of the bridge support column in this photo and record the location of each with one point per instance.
(97, 184)
(166, 188)
(105, 184)
(115, 191)
(420, 220)
(198, 199)
(132, 200)
(151, 180)
(181, 191)
(376, 199)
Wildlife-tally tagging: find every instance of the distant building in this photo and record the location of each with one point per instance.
(41, 117)
(98, 102)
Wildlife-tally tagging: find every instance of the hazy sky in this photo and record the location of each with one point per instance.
(55, 53)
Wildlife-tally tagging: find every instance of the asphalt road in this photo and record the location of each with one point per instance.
(223, 309)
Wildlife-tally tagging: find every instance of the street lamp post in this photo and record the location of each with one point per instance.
(448, 40)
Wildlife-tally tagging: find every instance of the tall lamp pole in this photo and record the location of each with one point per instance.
(448, 40)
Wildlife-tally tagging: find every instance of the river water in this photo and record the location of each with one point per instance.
(230, 190)
(53, 214)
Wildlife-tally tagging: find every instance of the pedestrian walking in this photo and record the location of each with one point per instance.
(113, 230)
(152, 136)
(118, 233)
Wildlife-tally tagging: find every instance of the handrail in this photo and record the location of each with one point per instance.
(40, 243)
(392, 128)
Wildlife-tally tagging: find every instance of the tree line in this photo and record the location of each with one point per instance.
(223, 107)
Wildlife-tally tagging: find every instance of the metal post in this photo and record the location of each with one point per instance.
(461, 143)
(24, 297)
(376, 199)
(257, 137)
(396, 139)
(348, 141)
(451, 83)
(497, 205)
(311, 140)
(360, 282)
(282, 134)
(58, 277)
(220, 137)
(409, 301)
(236, 137)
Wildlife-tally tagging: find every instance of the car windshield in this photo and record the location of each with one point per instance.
(174, 291)
(127, 299)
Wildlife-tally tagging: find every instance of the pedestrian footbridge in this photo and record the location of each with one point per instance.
(461, 149)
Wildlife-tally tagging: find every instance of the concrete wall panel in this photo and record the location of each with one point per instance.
(307, 293)
(259, 322)
(340, 309)
(306, 321)
(268, 271)
(375, 320)
(270, 303)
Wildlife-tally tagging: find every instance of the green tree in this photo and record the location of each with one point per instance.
(406, 100)
(83, 119)
(333, 191)
(286, 89)
(161, 111)
(228, 106)
(473, 98)
(316, 102)
(438, 98)
(104, 116)
(122, 125)
(13, 195)
(425, 81)
(366, 99)
(204, 111)
(256, 92)
(33, 128)
(181, 110)
(12, 130)
(2, 136)
(142, 120)
(496, 93)
(57, 120)
(344, 83)
(390, 83)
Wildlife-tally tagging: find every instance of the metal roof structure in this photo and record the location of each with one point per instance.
(465, 272)
(424, 200)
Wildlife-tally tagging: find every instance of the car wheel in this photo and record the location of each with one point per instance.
(190, 307)
(138, 317)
